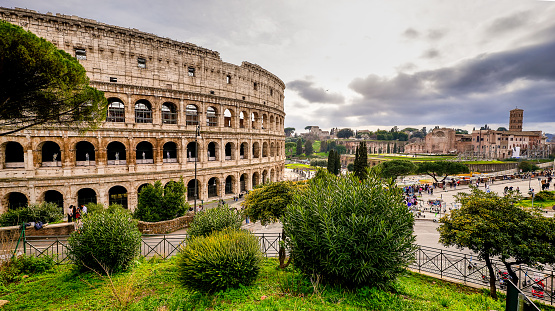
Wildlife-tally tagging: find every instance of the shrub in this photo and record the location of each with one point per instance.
(544, 196)
(214, 219)
(109, 239)
(45, 212)
(223, 259)
(94, 208)
(14, 268)
(350, 232)
(158, 203)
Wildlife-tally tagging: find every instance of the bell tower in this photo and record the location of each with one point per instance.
(515, 120)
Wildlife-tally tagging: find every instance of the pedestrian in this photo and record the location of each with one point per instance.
(78, 215)
(74, 213)
(83, 209)
(70, 213)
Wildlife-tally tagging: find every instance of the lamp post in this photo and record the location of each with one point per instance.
(197, 134)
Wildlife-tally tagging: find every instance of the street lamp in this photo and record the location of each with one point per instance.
(197, 135)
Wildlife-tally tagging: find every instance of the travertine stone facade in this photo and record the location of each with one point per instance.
(159, 90)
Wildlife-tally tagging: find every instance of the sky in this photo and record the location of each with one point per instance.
(368, 64)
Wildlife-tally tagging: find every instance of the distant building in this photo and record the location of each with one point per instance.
(441, 141)
(316, 132)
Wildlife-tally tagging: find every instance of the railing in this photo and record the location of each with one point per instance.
(117, 162)
(535, 283)
(14, 165)
(145, 161)
(85, 163)
(170, 160)
(51, 163)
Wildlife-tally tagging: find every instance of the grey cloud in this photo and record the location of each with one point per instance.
(436, 34)
(431, 53)
(308, 91)
(411, 33)
(508, 23)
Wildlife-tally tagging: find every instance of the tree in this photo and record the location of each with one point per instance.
(157, 203)
(443, 169)
(345, 133)
(494, 226)
(308, 148)
(308, 127)
(361, 161)
(350, 167)
(289, 131)
(323, 146)
(331, 162)
(388, 149)
(527, 166)
(268, 204)
(41, 84)
(337, 167)
(503, 129)
(396, 168)
(299, 150)
(461, 131)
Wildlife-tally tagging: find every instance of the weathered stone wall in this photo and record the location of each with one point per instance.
(245, 136)
(13, 232)
(493, 167)
(163, 227)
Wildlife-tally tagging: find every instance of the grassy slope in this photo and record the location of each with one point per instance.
(154, 286)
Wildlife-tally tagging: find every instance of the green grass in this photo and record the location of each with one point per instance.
(544, 204)
(153, 285)
(299, 165)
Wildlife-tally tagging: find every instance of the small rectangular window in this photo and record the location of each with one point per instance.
(212, 92)
(255, 85)
(228, 79)
(81, 54)
(141, 62)
(191, 71)
(113, 79)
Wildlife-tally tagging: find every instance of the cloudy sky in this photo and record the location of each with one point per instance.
(369, 64)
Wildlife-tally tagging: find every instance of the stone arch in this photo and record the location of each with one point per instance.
(230, 184)
(141, 187)
(272, 149)
(211, 116)
(16, 200)
(84, 153)
(272, 125)
(213, 187)
(116, 110)
(144, 153)
(255, 179)
(264, 177)
(243, 180)
(51, 154)
(213, 151)
(254, 120)
(116, 153)
(229, 151)
(118, 195)
(264, 124)
(192, 151)
(228, 118)
(55, 197)
(86, 195)
(169, 113)
(265, 149)
(243, 119)
(272, 175)
(191, 115)
(169, 152)
(255, 150)
(14, 155)
(244, 150)
(143, 111)
(191, 189)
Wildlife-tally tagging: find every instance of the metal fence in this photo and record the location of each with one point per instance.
(535, 283)
(466, 268)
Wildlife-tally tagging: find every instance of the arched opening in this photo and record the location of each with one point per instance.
(264, 177)
(256, 150)
(191, 115)
(191, 190)
(273, 150)
(243, 183)
(272, 175)
(143, 111)
(144, 153)
(243, 151)
(229, 151)
(212, 151)
(264, 149)
(242, 120)
(116, 110)
(51, 154)
(170, 152)
(16, 200)
(85, 196)
(192, 152)
(141, 187)
(169, 113)
(229, 185)
(212, 187)
(271, 123)
(254, 120)
(14, 155)
(211, 117)
(115, 152)
(264, 121)
(228, 118)
(55, 197)
(255, 179)
(118, 195)
(84, 154)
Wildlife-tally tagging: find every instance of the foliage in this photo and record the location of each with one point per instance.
(14, 268)
(308, 149)
(361, 161)
(94, 208)
(544, 196)
(320, 163)
(288, 131)
(44, 212)
(345, 133)
(107, 239)
(504, 129)
(269, 202)
(157, 203)
(42, 84)
(224, 259)
(323, 146)
(337, 167)
(214, 219)
(492, 226)
(299, 149)
(443, 169)
(527, 166)
(396, 168)
(461, 131)
(350, 232)
(331, 162)
(350, 167)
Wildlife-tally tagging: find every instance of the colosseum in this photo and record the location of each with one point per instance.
(174, 110)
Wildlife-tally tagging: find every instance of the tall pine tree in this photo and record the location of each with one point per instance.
(331, 162)
(299, 150)
(361, 161)
(337, 168)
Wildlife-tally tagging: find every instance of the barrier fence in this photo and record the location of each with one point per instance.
(464, 267)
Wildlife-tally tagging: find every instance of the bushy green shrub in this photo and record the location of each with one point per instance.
(93, 208)
(109, 239)
(223, 259)
(45, 212)
(544, 196)
(158, 203)
(350, 232)
(14, 268)
(214, 219)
